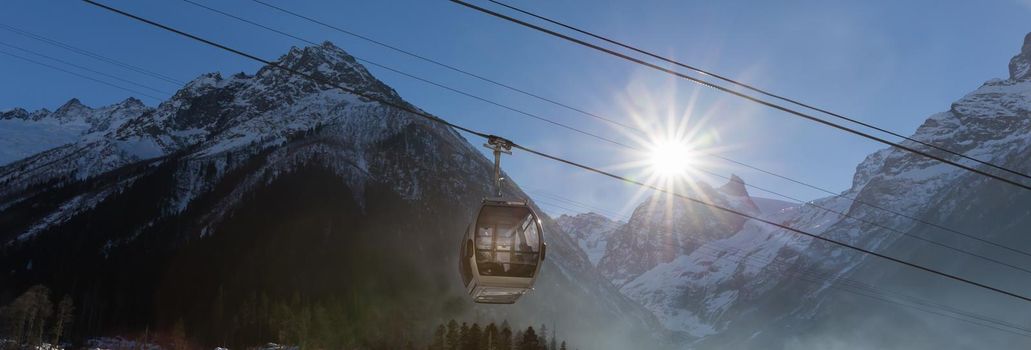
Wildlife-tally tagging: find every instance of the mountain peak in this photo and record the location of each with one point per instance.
(328, 63)
(323, 58)
(14, 113)
(131, 102)
(74, 103)
(71, 110)
(735, 187)
(592, 215)
(1020, 65)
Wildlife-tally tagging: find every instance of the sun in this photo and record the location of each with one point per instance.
(675, 144)
(671, 158)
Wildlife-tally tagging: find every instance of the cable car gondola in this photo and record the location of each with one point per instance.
(503, 248)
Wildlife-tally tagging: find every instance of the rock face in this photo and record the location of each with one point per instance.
(244, 190)
(649, 257)
(591, 232)
(664, 228)
(1020, 65)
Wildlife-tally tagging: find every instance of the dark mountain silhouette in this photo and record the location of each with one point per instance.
(260, 200)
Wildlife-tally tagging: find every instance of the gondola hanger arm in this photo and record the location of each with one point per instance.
(499, 145)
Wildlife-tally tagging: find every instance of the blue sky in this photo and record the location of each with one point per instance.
(891, 63)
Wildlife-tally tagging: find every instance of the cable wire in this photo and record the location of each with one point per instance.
(605, 119)
(576, 109)
(412, 76)
(768, 222)
(719, 251)
(438, 120)
(55, 59)
(755, 89)
(581, 205)
(550, 121)
(844, 215)
(877, 207)
(80, 75)
(444, 65)
(747, 97)
(91, 54)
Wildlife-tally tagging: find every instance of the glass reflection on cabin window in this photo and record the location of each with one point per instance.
(507, 242)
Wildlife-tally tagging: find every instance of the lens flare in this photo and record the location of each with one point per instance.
(674, 142)
(671, 158)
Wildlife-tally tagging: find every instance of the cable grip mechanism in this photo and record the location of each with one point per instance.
(499, 145)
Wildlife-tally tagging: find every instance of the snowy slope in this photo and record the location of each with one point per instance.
(720, 281)
(210, 115)
(27, 133)
(663, 228)
(23, 136)
(219, 123)
(770, 206)
(665, 244)
(591, 232)
(992, 123)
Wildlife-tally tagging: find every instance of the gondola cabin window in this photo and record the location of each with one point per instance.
(507, 241)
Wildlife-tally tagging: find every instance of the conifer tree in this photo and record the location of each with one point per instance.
(472, 339)
(554, 338)
(517, 340)
(63, 319)
(505, 337)
(563, 345)
(489, 340)
(453, 335)
(463, 336)
(28, 314)
(439, 341)
(530, 341)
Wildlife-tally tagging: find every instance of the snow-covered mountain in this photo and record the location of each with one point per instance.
(771, 206)
(256, 187)
(66, 131)
(591, 232)
(720, 281)
(263, 186)
(661, 229)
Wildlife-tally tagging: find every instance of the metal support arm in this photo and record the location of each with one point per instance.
(498, 145)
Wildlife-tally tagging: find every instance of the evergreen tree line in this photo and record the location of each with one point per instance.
(33, 319)
(327, 323)
(455, 336)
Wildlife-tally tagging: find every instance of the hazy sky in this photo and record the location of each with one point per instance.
(891, 63)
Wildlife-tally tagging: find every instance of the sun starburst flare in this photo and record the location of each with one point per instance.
(671, 158)
(674, 141)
